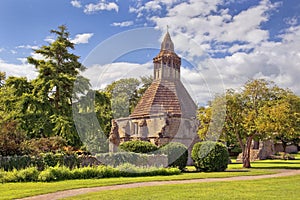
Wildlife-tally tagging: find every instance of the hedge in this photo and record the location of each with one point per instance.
(210, 156)
(63, 173)
(177, 154)
(138, 146)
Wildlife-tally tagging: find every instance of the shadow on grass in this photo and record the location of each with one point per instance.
(237, 170)
(275, 167)
(227, 170)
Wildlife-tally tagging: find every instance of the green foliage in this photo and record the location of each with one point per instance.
(177, 154)
(123, 94)
(23, 175)
(129, 170)
(103, 111)
(212, 119)
(92, 114)
(260, 110)
(138, 146)
(63, 173)
(210, 156)
(58, 75)
(55, 174)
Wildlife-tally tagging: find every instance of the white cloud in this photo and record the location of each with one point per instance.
(275, 61)
(22, 70)
(13, 52)
(197, 27)
(82, 38)
(100, 6)
(151, 6)
(2, 49)
(76, 4)
(49, 39)
(102, 75)
(27, 47)
(205, 22)
(23, 60)
(123, 24)
(291, 21)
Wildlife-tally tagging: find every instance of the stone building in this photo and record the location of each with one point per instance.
(166, 112)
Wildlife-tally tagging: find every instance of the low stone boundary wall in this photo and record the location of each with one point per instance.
(137, 159)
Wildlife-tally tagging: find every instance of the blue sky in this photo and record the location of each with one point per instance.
(223, 42)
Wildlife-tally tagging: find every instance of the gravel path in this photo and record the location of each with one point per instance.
(75, 192)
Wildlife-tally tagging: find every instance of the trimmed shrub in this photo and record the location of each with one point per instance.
(24, 175)
(63, 173)
(130, 170)
(210, 156)
(138, 146)
(28, 174)
(177, 154)
(55, 174)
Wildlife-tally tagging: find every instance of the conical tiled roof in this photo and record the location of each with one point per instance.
(160, 97)
(164, 96)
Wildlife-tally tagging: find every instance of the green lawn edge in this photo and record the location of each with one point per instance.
(284, 188)
(21, 190)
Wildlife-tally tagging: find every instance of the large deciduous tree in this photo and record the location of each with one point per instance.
(123, 95)
(281, 117)
(260, 110)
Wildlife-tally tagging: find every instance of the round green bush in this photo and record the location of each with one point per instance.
(177, 154)
(210, 156)
(138, 146)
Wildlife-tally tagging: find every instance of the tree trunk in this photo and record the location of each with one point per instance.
(246, 153)
(284, 144)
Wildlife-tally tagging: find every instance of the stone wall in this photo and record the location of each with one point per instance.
(137, 159)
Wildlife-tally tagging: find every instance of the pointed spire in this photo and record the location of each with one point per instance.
(167, 43)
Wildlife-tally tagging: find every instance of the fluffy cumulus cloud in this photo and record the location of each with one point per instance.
(82, 38)
(100, 6)
(102, 75)
(233, 46)
(21, 70)
(123, 24)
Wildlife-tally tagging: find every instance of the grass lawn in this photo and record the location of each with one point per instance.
(271, 164)
(275, 188)
(19, 190)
